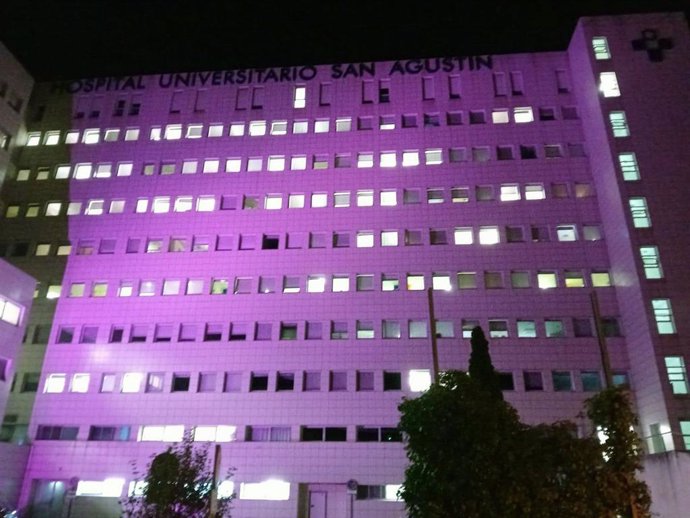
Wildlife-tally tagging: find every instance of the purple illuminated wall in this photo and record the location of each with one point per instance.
(515, 144)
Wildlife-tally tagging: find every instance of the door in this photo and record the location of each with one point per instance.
(317, 504)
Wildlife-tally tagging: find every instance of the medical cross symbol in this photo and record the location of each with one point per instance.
(654, 45)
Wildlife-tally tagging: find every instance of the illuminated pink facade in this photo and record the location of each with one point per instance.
(250, 254)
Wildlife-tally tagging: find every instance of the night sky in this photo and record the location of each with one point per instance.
(63, 39)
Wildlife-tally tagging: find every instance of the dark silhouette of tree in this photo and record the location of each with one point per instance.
(480, 367)
(177, 484)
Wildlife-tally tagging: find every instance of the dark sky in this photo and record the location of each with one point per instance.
(62, 39)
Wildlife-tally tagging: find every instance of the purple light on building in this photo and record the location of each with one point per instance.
(248, 253)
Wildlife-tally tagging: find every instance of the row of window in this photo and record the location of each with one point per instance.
(276, 163)
(551, 327)
(257, 128)
(339, 239)
(418, 380)
(276, 201)
(341, 283)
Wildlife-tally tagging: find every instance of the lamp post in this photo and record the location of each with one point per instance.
(432, 326)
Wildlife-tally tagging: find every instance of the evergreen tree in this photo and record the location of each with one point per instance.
(480, 368)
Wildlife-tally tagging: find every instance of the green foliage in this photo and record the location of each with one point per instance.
(177, 484)
(471, 457)
(480, 368)
(611, 413)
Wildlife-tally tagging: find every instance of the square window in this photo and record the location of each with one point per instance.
(365, 330)
(554, 329)
(418, 329)
(154, 382)
(390, 283)
(498, 329)
(285, 381)
(365, 381)
(467, 280)
(526, 329)
(263, 331)
(410, 158)
(562, 381)
(339, 330)
(288, 331)
(493, 280)
(314, 331)
(311, 381)
(533, 381)
(392, 380)
(415, 282)
(338, 381)
(547, 280)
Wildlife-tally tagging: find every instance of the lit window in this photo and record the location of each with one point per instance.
(547, 280)
(173, 132)
(343, 124)
(574, 279)
(389, 238)
(410, 158)
(205, 203)
(12, 211)
(33, 139)
(463, 236)
(601, 279)
(319, 200)
(91, 136)
(237, 129)
(433, 156)
(489, 236)
(299, 127)
(53, 208)
(364, 330)
(619, 124)
(321, 126)
(629, 167)
(316, 283)
(161, 204)
(170, 433)
(526, 329)
(52, 138)
(677, 374)
(663, 315)
(340, 283)
(132, 134)
(232, 165)
(279, 127)
(600, 46)
(365, 160)
(566, 232)
(388, 198)
(510, 192)
(651, 262)
(415, 282)
(390, 283)
(554, 329)
(365, 198)
(500, 116)
(523, 114)
(299, 99)
(267, 490)
(220, 433)
(417, 329)
(183, 204)
(257, 128)
(419, 380)
(211, 165)
(365, 239)
(534, 191)
(608, 84)
(273, 202)
(82, 171)
(23, 174)
(80, 383)
(640, 213)
(276, 163)
(131, 381)
(54, 291)
(215, 130)
(93, 208)
(72, 137)
(387, 159)
(298, 163)
(441, 282)
(124, 169)
(55, 383)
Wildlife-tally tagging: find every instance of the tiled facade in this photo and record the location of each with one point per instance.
(246, 255)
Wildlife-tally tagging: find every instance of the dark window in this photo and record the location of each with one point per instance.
(285, 381)
(180, 382)
(312, 434)
(610, 326)
(116, 334)
(338, 434)
(56, 433)
(528, 152)
(533, 381)
(365, 434)
(392, 381)
(505, 381)
(259, 381)
(270, 242)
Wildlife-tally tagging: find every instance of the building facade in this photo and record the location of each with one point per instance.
(245, 256)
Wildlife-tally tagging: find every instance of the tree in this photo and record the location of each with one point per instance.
(611, 413)
(177, 484)
(471, 457)
(481, 368)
